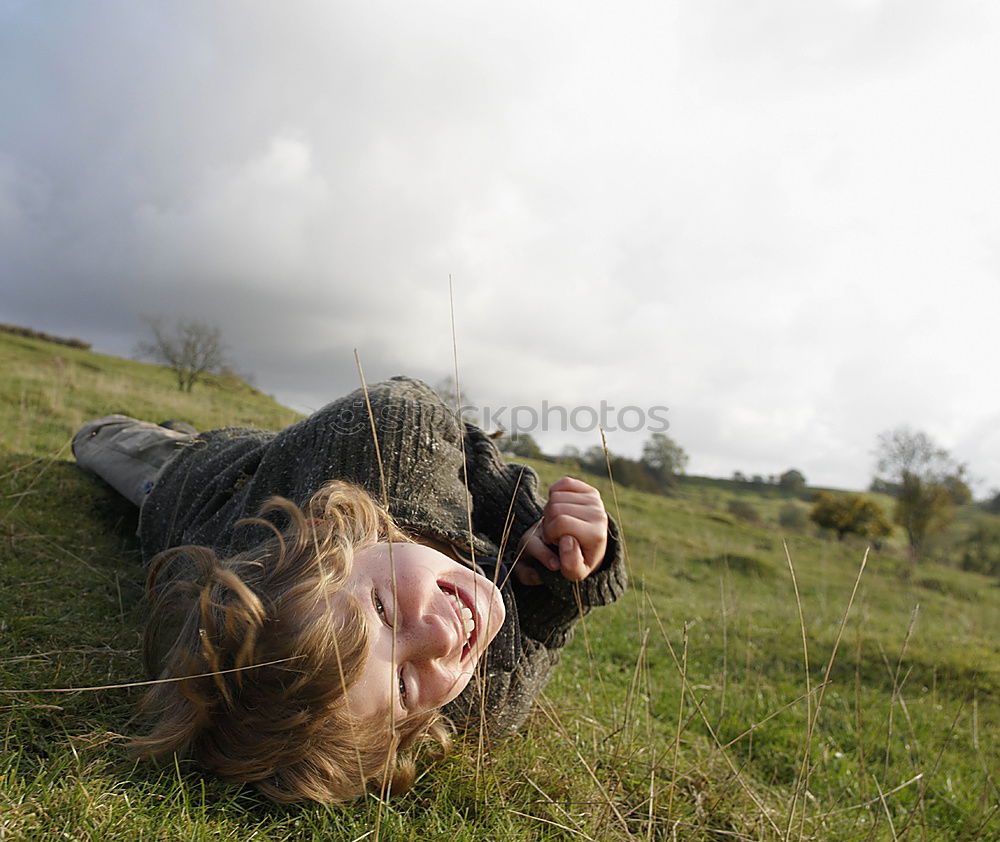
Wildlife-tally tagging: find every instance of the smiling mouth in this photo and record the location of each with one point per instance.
(465, 611)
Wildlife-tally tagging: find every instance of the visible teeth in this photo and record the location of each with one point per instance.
(468, 622)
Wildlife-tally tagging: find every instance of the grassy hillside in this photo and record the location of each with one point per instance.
(48, 390)
(710, 704)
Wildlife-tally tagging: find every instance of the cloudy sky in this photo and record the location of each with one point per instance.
(778, 218)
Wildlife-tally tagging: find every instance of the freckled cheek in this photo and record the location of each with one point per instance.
(451, 689)
(366, 698)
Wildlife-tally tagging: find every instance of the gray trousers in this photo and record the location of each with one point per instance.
(126, 453)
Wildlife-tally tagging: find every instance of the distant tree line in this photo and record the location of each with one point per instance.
(924, 481)
(656, 471)
(792, 481)
(70, 342)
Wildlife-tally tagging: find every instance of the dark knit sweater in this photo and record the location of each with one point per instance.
(227, 474)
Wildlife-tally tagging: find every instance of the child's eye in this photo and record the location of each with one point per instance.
(402, 689)
(377, 602)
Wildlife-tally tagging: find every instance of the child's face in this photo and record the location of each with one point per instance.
(429, 621)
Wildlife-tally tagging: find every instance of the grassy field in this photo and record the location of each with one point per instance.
(752, 685)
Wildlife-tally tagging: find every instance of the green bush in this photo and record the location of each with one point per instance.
(850, 513)
(793, 516)
(743, 510)
(981, 548)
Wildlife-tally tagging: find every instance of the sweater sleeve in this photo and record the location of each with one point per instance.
(548, 611)
(506, 503)
(505, 498)
(503, 694)
(498, 703)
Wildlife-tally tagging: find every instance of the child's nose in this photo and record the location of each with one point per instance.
(436, 636)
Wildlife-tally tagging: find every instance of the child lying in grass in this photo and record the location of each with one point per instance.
(320, 636)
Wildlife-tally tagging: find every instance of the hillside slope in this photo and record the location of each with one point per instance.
(684, 712)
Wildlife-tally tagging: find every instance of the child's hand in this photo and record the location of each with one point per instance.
(574, 520)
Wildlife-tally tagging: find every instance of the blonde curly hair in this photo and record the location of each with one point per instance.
(255, 668)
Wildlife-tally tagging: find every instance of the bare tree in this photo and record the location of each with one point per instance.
(190, 347)
(925, 480)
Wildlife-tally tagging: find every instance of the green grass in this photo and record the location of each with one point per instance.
(687, 711)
